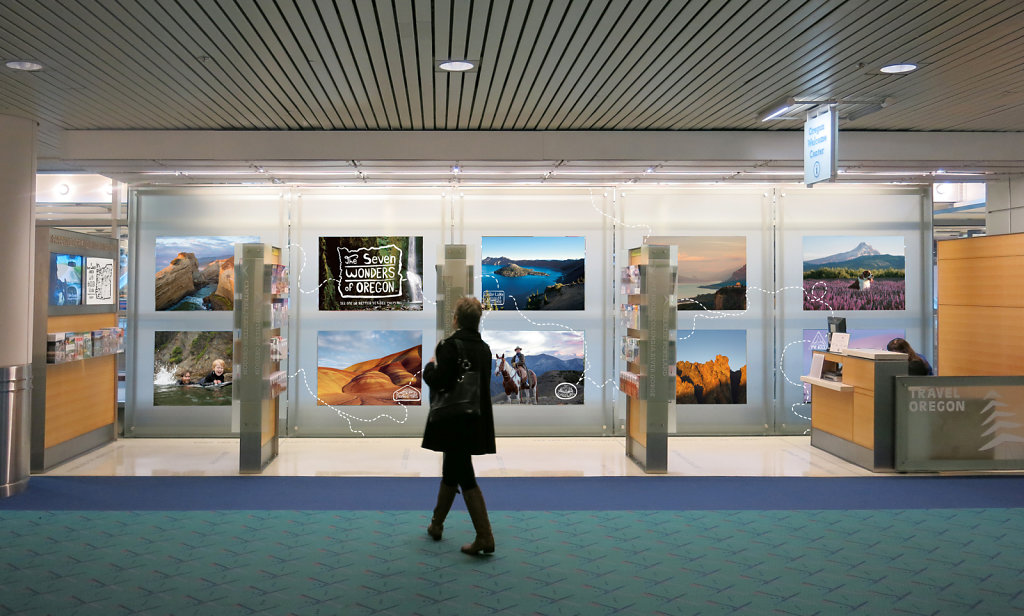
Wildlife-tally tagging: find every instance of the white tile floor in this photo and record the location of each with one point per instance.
(775, 456)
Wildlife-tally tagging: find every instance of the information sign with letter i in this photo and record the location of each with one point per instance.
(821, 138)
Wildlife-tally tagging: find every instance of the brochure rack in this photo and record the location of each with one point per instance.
(260, 352)
(649, 350)
(74, 392)
(454, 279)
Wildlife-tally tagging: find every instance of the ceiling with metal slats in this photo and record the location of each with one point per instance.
(582, 65)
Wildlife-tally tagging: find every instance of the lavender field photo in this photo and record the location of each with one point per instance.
(854, 273)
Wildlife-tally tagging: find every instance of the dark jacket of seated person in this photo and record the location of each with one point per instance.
(917, 365)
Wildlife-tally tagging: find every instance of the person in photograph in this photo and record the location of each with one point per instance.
(462, 437)
(216, 376)
(519, 363)
(917, 364)
(186, 378)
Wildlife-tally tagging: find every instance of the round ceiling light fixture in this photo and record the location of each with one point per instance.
(24, 65)
(895, 69)
(455, 66)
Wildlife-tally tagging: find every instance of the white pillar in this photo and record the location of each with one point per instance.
(1004, 206)
(17, 237)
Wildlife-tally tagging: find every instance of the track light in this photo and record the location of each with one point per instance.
(777, 109)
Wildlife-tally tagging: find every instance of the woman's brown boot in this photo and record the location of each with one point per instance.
(445, 498)
(484, 541)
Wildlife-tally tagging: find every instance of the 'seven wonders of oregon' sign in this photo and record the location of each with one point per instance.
(371, 273)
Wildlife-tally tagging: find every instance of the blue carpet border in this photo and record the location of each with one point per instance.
(52, 493)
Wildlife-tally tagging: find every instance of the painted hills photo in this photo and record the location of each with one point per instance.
(369, 368)
(833, 273)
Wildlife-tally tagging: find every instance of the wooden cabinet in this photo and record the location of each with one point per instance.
(853, 417)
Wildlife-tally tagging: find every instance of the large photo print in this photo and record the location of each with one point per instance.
(533, 273)
(536, 367)
(854, 273)
(711, 366)
(712, 271)
(196, 273)
(377, 368)
(371, 273)
(192, 368)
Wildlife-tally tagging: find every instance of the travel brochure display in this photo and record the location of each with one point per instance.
(554, 367)
(62, 347)
(196, 272)
(279, 313)
(650, 409)
(74, 341)
(854, 273)
(630, 348)
(533, 273)
(278, 348)
(629, 280)
(376, 367)
(371, 273)
(261, 349)
(629, 383)
(712, 271)
(278, 280)
(630, 315)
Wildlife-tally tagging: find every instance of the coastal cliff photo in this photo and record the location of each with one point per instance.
(196, 273)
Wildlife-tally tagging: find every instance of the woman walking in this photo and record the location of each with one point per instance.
(465, 435)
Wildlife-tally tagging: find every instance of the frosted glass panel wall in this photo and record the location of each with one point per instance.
(360, 345)
(181, 284)
(753, 291)
(827, 237)
(724, 295)
(527, 245)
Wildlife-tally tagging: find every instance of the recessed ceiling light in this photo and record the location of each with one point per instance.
(898, 68)
(24, 65)
(455, 65)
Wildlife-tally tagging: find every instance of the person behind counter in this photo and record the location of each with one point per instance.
(918, 366)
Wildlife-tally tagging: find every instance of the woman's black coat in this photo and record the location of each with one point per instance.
(474, 434)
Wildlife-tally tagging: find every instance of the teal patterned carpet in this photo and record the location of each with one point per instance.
(775, 561)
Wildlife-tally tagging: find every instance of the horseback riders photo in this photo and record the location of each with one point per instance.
(552, 374)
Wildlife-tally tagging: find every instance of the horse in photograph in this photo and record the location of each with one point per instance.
(513, 383)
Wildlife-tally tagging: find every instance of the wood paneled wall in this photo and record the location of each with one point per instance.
(81, 396)
(981, 306)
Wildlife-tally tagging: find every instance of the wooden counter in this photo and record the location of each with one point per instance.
(853, 418)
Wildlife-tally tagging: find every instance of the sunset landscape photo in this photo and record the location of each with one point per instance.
(711, 273)
(367, 368)
(711, 366)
